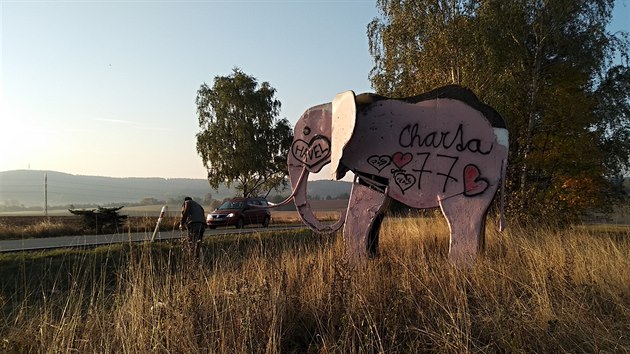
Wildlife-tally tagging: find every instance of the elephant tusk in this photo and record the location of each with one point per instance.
(332, 228)
(290, 197)
(336, 226)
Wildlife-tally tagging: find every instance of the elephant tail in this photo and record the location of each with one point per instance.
(502, 222)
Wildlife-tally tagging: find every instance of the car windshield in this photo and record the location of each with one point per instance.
(231, 205)
(257, 203)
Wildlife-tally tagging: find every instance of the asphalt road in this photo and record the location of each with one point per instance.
(33, 244)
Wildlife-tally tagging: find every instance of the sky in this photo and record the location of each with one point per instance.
(108, 88)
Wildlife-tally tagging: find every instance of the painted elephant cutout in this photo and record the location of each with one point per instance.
(443, 149)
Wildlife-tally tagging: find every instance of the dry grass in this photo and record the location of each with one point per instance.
(19, 227)
(292, 217)
(537, 290)
(38, 228)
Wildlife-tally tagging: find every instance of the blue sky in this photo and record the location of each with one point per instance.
(108, 87)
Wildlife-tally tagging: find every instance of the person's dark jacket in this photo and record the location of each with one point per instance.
(192, 212)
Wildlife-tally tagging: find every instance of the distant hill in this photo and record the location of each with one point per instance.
(324, 189)
(26, 187)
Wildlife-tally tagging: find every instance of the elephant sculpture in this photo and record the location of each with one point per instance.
(443, 149)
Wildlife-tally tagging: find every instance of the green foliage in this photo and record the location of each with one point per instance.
(547, 66)
(241, 139)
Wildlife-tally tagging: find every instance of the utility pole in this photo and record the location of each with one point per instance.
(46, 194)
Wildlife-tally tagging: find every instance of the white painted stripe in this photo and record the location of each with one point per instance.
(503, 137)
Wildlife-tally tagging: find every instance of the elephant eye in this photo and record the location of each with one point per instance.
(306, 131)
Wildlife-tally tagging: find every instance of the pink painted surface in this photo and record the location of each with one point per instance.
(364, 205)
(343, 106)
(433, 150)
(310, 151)
(437, 152)
(311, 145)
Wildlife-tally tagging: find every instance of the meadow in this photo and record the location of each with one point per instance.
(538, 289)
(32, 226)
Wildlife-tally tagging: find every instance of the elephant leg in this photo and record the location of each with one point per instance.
(373, 236)
(363, 220)
(466, 218)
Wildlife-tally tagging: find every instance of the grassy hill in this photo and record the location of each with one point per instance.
(26, 187)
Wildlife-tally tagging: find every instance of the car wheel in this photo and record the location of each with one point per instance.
(212, 227)
(240, 223)
(266, 222)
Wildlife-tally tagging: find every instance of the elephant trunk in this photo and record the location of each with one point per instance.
(299, 177)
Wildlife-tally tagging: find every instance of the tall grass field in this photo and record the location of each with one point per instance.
(536, 290)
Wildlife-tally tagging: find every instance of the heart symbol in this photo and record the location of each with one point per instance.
(379, 162)
(312, 153)
(404, 181)
(400, 159)
(473, 183)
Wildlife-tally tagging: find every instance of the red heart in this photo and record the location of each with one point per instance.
(401, 159)
(473, 183)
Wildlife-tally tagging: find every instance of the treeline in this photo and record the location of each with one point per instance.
(208, 201)
(552, 69)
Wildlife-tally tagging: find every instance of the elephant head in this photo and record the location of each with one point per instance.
(320, 135)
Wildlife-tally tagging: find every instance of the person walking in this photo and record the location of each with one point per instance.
(194, 218)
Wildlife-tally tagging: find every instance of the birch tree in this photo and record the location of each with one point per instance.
(550, 67)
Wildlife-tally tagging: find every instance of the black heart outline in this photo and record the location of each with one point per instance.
(380, 158)
(407, 176)
(308, 146)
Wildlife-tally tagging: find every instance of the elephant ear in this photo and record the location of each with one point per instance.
(344, 117)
